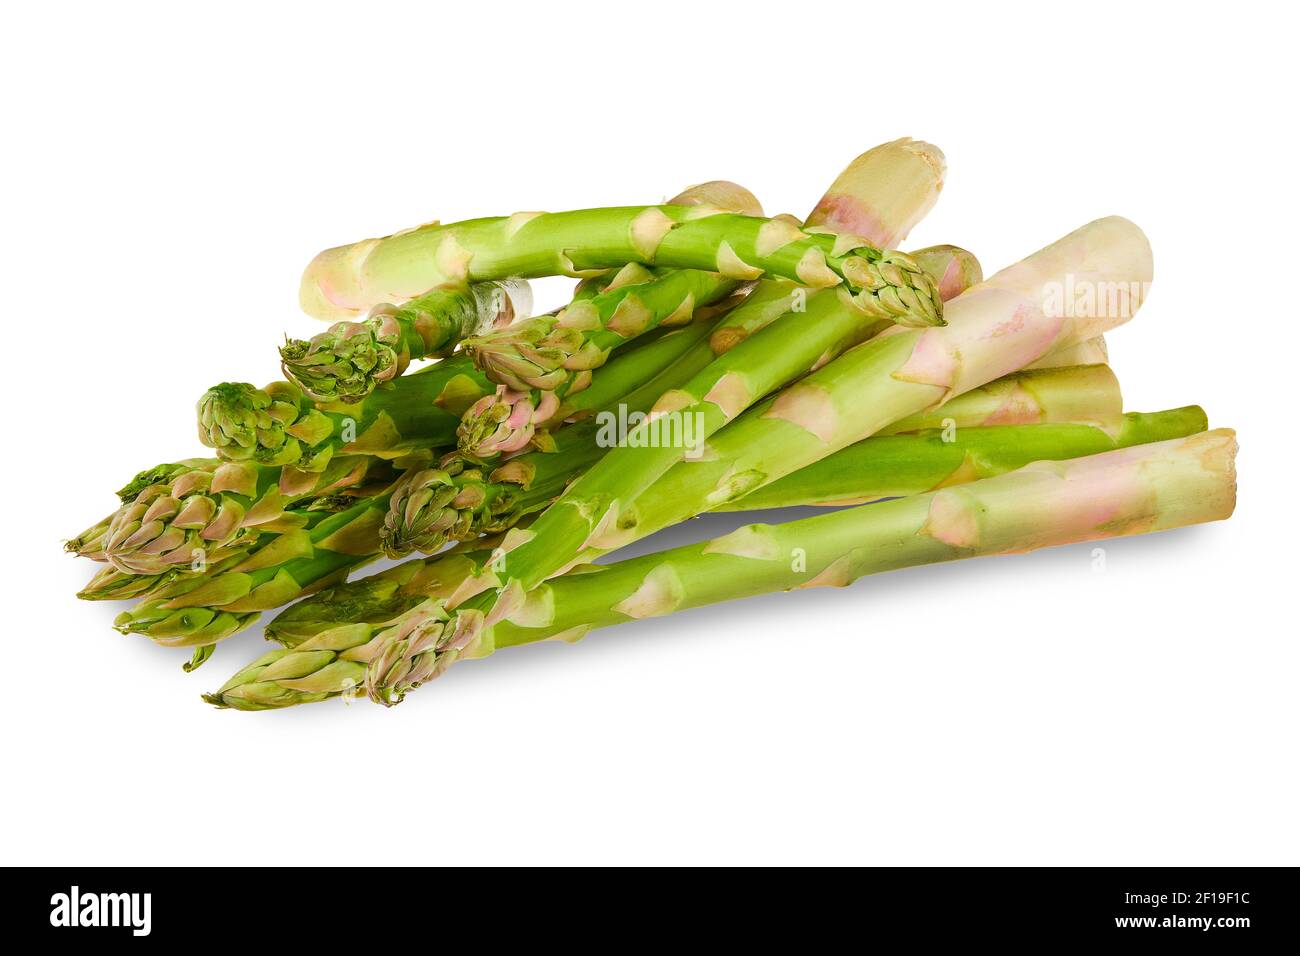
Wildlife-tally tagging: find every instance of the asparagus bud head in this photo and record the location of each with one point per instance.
(349, 360)
(420, 646)
(276, 425)
(504, 422)
(169, 525)
(427, 509)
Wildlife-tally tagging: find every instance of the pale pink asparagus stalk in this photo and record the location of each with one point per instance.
(883, 193)
(1091, 352)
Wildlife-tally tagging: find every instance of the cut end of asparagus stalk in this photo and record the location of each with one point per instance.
(720, 194)
(954, 269)
(883, 193)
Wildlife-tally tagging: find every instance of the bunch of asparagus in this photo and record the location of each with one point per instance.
(710, 359)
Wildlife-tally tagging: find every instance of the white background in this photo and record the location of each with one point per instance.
(166, 175)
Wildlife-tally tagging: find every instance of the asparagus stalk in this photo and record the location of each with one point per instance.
(279, 425)
(1135, 490)
(342, 282)
(1076, 394)
(883, 466)
(883, 193)
(1091, 352)
(379, 598)
(348, 360)
(761, 307)
(632, 367)
(887, 466)
(996, 328)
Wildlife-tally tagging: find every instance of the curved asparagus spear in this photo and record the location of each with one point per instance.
(279, 425)
(347, 280)
(349, 359)
(1135, 490)
(996, 328)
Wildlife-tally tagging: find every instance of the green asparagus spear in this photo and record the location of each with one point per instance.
(340, 283)
(347, 361)
(882, 466)
(279, 425)
(1134, 490)
(1077, 394)
(887, 466)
